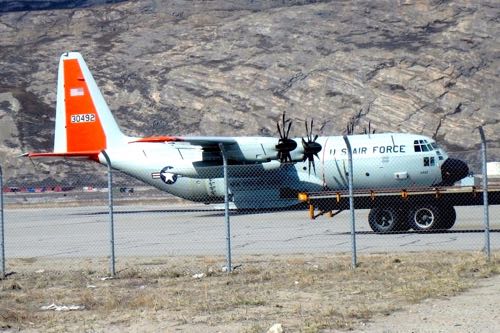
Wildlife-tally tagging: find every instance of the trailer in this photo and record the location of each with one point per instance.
(391, 210)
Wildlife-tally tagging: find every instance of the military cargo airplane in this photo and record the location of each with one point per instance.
(264, 172)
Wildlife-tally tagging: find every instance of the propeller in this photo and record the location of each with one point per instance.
(350, 126)
(369, 131)
(311, 147)
(285, 145)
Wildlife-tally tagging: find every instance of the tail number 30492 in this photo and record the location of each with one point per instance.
(83, 118)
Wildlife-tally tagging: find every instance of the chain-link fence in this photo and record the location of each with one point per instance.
(70, 218)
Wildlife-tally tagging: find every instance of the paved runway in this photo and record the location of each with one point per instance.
(193, 230)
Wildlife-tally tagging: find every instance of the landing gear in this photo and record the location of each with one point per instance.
(387, 219)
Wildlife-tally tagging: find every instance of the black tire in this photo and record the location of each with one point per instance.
(424, 218)
(448, 217)
(386, 219)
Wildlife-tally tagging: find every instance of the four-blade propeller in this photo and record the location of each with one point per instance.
(286, 145)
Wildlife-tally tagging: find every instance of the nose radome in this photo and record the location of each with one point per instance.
(452, 171)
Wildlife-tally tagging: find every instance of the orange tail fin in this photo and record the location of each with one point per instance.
(84, 122)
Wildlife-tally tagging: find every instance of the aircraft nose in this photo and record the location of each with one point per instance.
(452, 171)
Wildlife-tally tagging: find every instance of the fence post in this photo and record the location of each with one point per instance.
(111, 221)
(351, 203)
(226, 209)
(2, 228)
(486, 217)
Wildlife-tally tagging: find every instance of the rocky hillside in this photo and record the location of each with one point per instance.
(232, 67)
(28, 5)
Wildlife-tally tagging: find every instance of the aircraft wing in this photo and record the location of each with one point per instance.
(203, 141)
(90, 155)
(237, 149)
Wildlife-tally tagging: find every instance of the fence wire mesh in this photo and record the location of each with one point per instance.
(68, 218)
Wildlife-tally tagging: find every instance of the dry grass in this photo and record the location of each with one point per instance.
(305, 293)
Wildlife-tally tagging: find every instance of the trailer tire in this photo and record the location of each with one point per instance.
(424, 218)
(386, 219)
(448, 217)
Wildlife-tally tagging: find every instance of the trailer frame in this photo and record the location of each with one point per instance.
(333, 202)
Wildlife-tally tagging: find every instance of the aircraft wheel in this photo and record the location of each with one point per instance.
(424, 218)
(385, 219)
(449, 216)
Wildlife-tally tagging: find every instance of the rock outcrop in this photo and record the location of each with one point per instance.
(231, 68)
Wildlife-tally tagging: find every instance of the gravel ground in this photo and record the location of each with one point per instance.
(477, 310)
(308, 294)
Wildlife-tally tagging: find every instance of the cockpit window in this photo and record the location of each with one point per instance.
(422, 145)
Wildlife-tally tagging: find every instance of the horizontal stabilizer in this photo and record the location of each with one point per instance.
(158, 139)
(88, 155)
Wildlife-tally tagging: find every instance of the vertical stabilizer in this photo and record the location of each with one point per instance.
(84, 122)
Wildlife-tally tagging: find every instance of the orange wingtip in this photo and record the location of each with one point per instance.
(157, 139)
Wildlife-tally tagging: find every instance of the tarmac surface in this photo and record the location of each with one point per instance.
(153, 230)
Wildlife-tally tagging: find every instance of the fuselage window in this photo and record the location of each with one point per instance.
(429, 161)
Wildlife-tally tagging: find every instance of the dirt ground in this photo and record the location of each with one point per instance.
(435, 292)
(476, 310)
